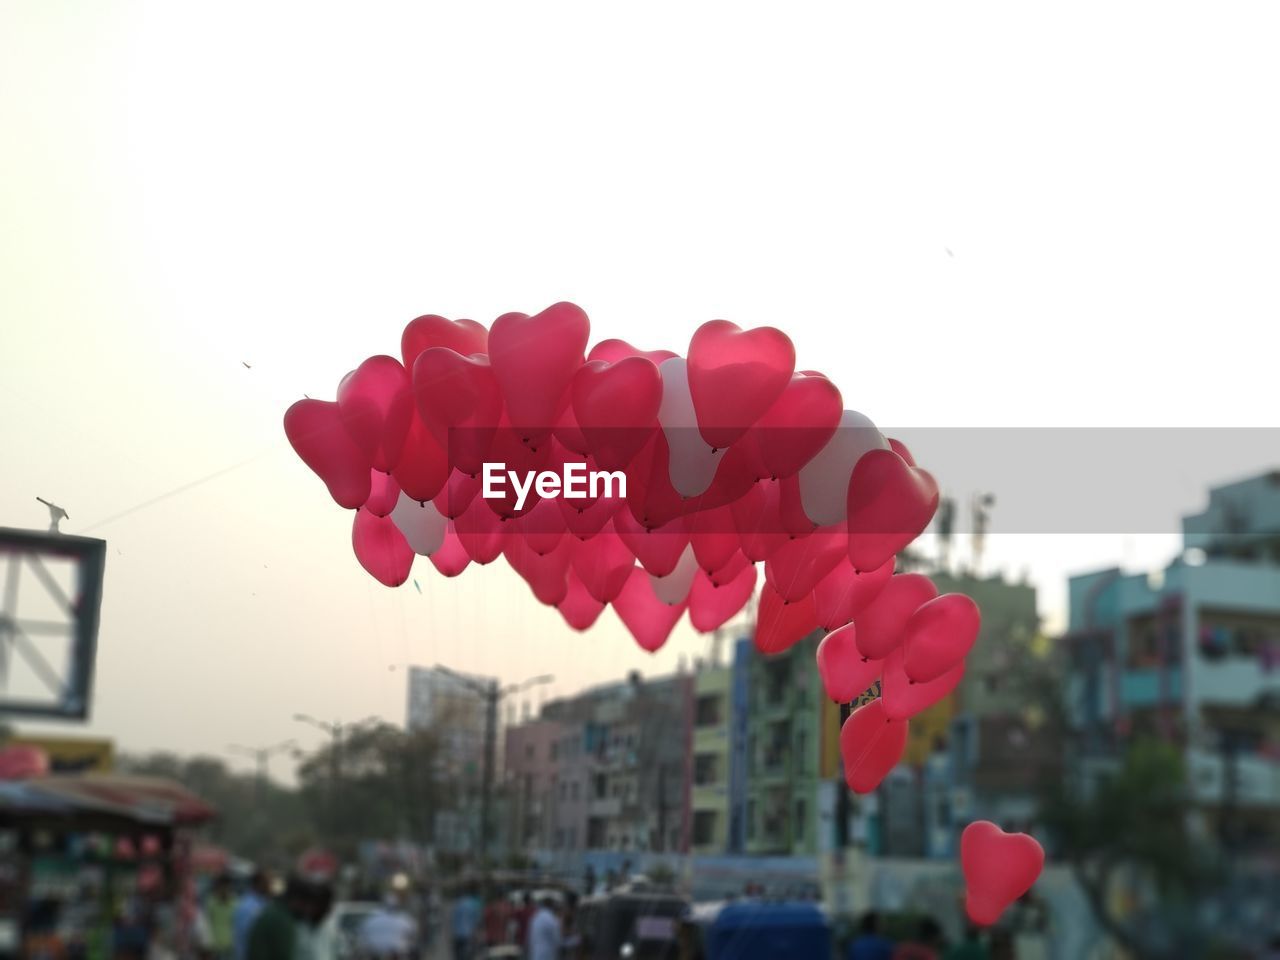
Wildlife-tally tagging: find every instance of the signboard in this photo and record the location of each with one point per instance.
(72, 754)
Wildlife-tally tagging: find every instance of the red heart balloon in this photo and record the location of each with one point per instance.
(781, 625)
(844, 593)
(543, 527)
(998, 869)
(458, 400)
(648, 618)
(889, 505)
(712, 606)
(451, 559)
(902, 698)
(736, 375)
(611, 351)
(736, 473)
(657, 550)
(376, 401)
(871, 744)
(381, 548)
(846, 673)
(939, 635)
(900, 448)
(384, 493)
(730, 571)
(714, 537)
(579, 608)
(423, 467)
(585, 522)
(616, 406)
(797, 426)
(797, 566)
(461, 336)
(791, 509)
(650, 496)
(315, 431)
(534, 360)
(758, 522)
(547, 575)
(481, 532)
(603, 564)
(881, 624)
(569, 435)
(457, 494)
(524, 459)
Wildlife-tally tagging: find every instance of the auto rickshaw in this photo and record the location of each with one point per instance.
(631, 924)
(765, 930)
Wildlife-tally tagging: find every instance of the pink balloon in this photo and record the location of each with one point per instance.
(714, 537)
(579, 608)
(461, 336)
(647, 617)
(798, 425)
(603, 563)
(376, 402)
(611, 351)
(459, 401)
(616, 406)
(423, 467)
(315, 431)
(569, 434)
(547, 575)
(736, 473)
(791, 508)
(451, 559)
(534, 359)
(481, 532)
(730, 571)
(881, 624)
(735, 376)
(871, 744)
(758, 521)
(999, 868)
(889, 505)
(384, 493)
(522, 458)
(711, 606)
(457, 494)
(797, 566)
(543, 527)
(900, 448)
(585, 522)
(657, 550)
(781, 625)
(650, 496)
(846, 673)
(381, 548)
(939, 635)
(903, 698)
(844, 593)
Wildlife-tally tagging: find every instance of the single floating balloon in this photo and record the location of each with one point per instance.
(534, 360)
(713, 605)
(999, 868)
(316, 433)
(381, 548)
(781, 625)
(376, 403)
(846, 673)
(649, 619)
(844, 593)
(735, 376)
(903, 698)
(881, 624)
(461, 336)
(889, 505)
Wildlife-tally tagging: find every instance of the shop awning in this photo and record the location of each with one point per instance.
(142, 799)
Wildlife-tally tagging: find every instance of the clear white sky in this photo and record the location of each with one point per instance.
(185, 188)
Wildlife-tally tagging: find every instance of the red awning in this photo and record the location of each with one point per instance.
(144, 799)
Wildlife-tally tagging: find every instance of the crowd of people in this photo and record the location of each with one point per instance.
(532, 927)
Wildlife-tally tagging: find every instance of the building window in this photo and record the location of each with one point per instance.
(704, 828)
(600, 787)
(751, 819)
(705, 769)
(801, 815)
(708, 710)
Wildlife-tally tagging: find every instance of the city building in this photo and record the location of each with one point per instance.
(530, 752)
(1191, 654)
(712, 759)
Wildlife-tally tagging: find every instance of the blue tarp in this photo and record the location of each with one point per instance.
(755, 930)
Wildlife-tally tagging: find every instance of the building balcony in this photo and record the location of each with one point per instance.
(1257, 778)
(605, 807)
(1150, 686)
(1235, 681)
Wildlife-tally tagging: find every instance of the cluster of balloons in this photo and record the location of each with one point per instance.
(731, 457)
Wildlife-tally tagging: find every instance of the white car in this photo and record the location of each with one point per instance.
(337, 937)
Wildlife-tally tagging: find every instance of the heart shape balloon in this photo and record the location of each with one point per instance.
(316, 433)
(644, 614)
(423, 467)
(711, 606)
(579, 608)
(999, 868)
(903, 698)
(889, 504)
(844, 593)
(939, 635)
(781, 625)
(461, 336)
(871, 744)
(534, 360)
(846, 673)
(796, 567)
(801, 421)
(616, 407)
(381, 548)
(458, 400)
(880, 625)
(736, 375)
(376, 402)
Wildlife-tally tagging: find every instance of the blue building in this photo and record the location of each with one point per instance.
(1191, 654)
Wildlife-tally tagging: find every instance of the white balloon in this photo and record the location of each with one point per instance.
(675, 586)
(693, 464)
(422, 524)
(824, 480)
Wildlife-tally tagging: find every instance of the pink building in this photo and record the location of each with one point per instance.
(531, 779)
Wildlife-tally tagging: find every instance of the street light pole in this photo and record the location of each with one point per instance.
(262, 757)
(334, 729)
(492, 694)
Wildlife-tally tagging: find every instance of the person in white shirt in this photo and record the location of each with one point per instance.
(544, 933)
(389, 933)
